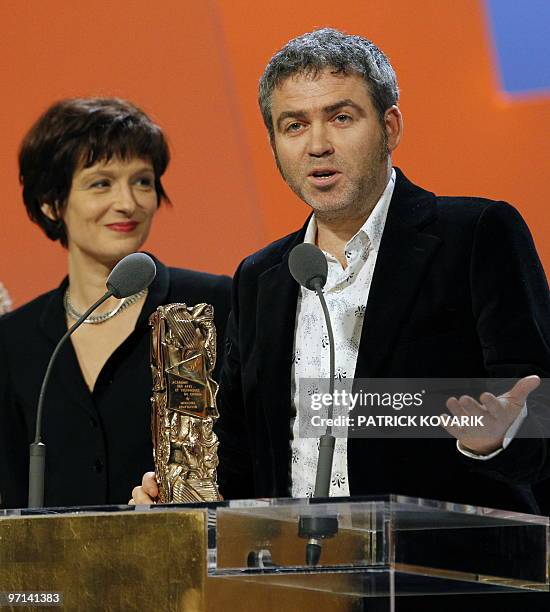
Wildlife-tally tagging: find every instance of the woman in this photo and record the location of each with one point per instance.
(91, 173)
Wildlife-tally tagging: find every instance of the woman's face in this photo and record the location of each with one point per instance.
(110, 209)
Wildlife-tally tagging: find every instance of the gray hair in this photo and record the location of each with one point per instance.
(328, 48)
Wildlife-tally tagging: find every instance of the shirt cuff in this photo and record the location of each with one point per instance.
(508, 437)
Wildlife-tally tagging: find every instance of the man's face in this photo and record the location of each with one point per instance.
(329, 143)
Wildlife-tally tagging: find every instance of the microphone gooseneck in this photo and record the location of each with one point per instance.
(309, 268)
(37, 453)
(132, 274)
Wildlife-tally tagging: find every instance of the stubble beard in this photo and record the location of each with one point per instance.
(359, 196)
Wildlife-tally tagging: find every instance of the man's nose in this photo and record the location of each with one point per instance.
(319, 144)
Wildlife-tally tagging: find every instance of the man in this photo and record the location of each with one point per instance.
(418, 286)
(421, 286)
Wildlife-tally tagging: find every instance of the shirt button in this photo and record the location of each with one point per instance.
(93, 422)
(98, 466)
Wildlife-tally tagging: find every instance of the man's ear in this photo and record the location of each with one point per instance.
(50, 211)
(393, 124)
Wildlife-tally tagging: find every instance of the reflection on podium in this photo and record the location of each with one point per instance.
(247, 555)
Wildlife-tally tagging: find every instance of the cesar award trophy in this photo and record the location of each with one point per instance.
(183, 355)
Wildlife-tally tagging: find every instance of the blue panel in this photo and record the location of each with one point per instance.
(521, 33)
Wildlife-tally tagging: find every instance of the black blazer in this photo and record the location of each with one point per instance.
(98, 444)
(458, 291)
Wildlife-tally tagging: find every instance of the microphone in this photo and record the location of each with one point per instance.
(132, 274)
(309, 267)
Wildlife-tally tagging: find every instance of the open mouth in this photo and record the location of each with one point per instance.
(324, 176)
(323, 173)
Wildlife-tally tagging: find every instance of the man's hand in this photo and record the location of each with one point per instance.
(498, 415)
(147, 493)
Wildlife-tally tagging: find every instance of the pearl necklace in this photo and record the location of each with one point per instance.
(101, 318)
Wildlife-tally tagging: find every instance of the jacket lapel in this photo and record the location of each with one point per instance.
(405, 252)
(276, 308)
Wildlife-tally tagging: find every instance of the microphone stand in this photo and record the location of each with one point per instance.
(37, 451)
(316, 528)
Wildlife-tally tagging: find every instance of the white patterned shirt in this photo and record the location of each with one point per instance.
(346, 292)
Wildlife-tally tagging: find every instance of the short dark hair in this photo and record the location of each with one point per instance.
(77, 133)
(311, 53)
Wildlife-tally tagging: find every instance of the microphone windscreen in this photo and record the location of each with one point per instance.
(132, 274)
(306, 263)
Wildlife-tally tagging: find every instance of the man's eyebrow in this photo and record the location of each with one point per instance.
(340, 104)
(302, 114)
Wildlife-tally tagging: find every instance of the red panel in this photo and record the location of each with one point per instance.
(169, 61)
(461, 135)
(195, 65)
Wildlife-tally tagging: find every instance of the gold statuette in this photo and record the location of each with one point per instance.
(183, 355)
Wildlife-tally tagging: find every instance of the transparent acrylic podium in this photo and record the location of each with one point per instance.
(384, 546)
(231, 555)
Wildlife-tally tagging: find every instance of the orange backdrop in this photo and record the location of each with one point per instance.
(194, 67)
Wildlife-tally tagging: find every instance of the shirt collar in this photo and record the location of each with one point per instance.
(373, 226)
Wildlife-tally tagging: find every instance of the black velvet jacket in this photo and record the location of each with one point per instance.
(458, 291)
